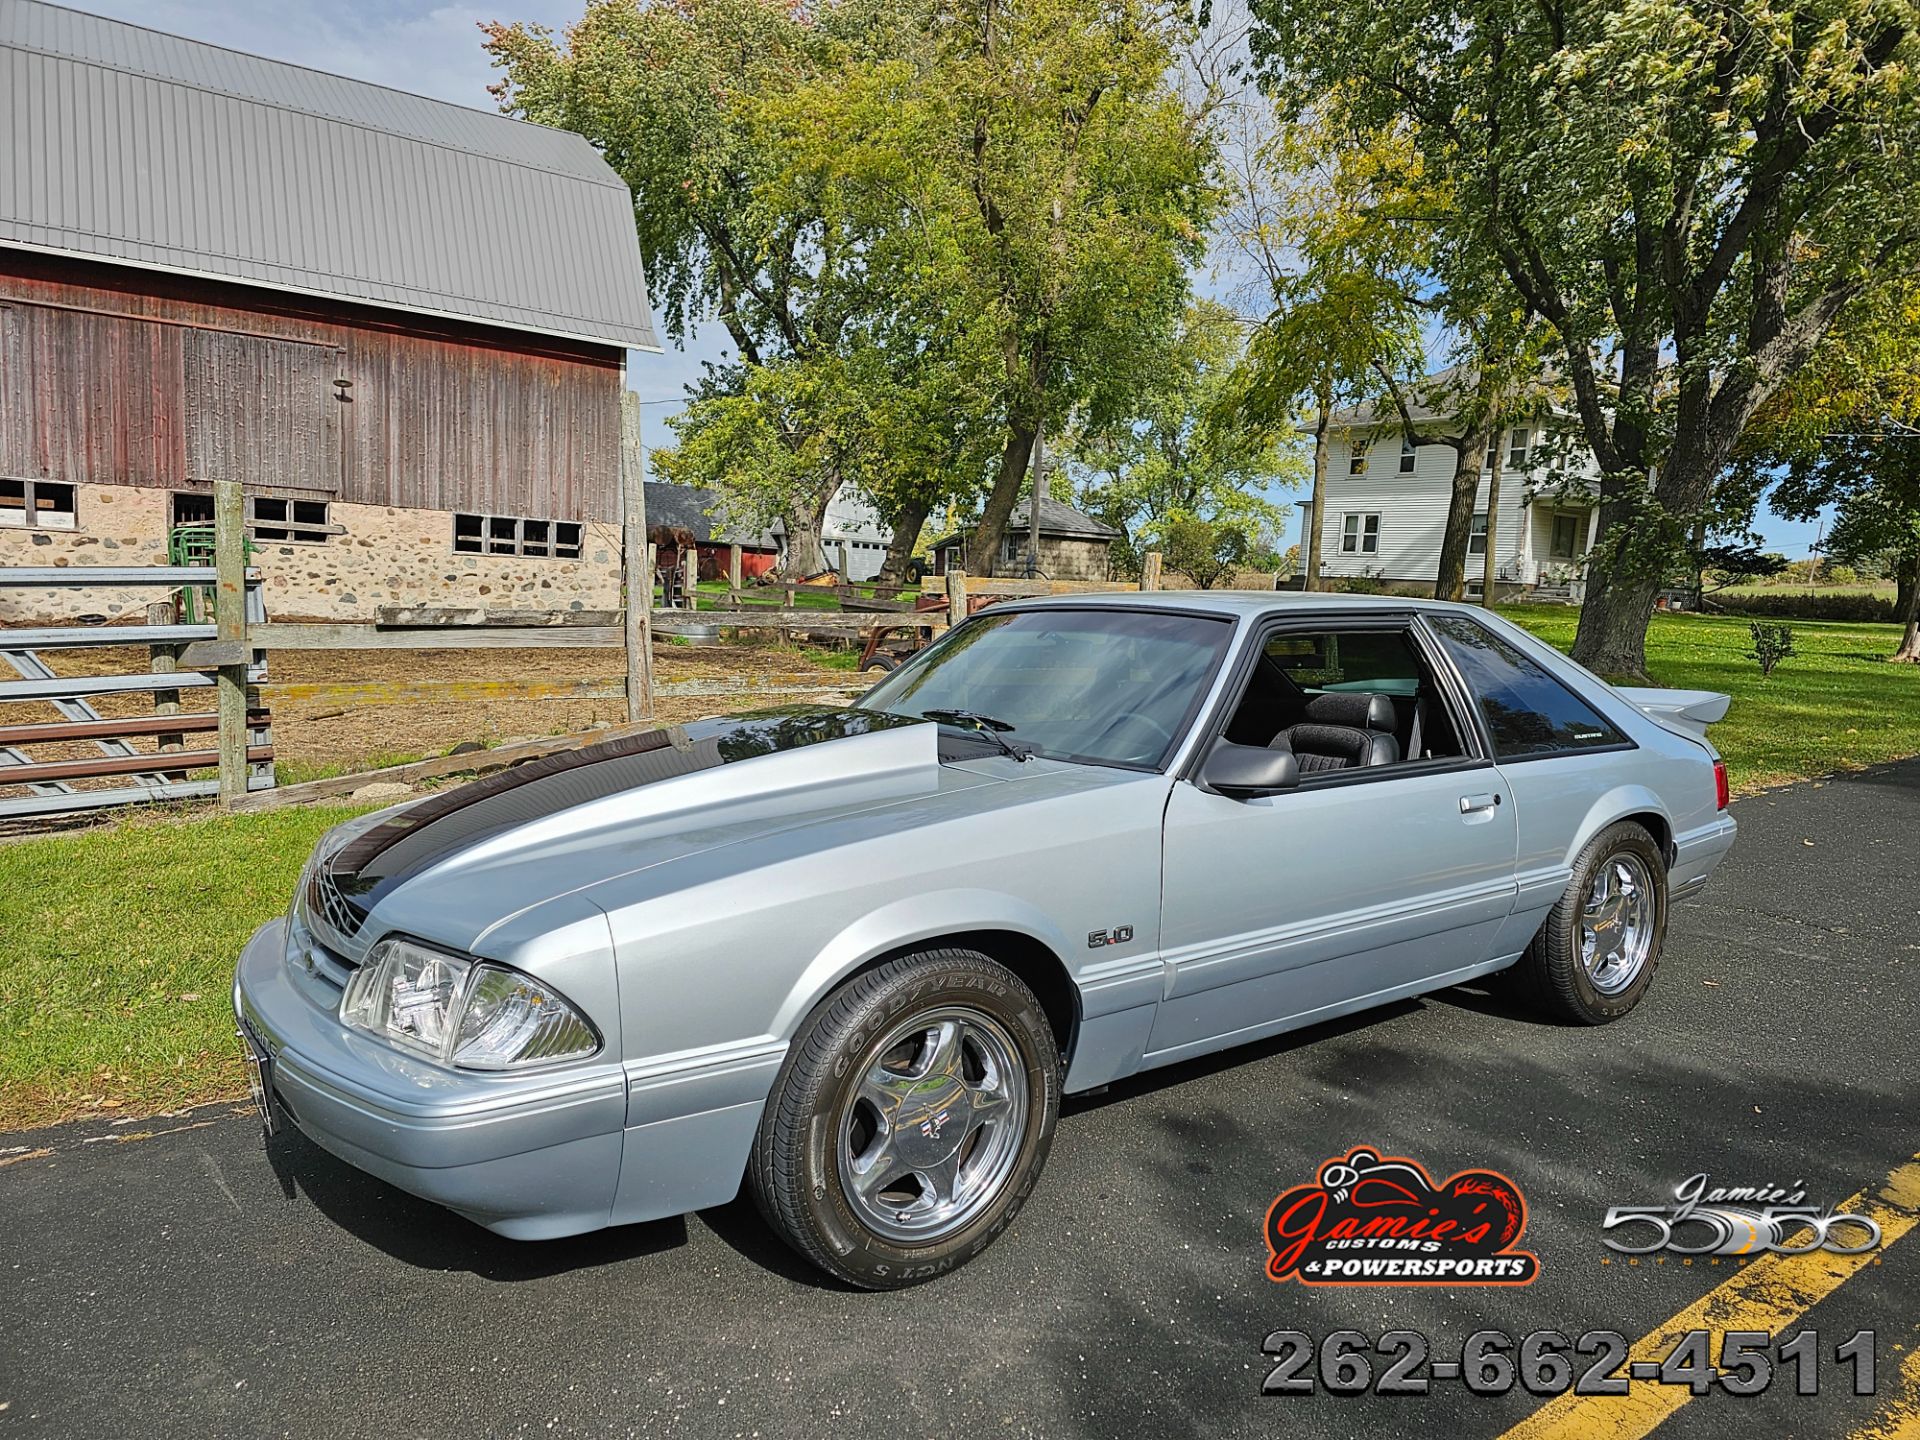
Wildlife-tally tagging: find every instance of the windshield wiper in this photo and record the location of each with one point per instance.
(986, 725)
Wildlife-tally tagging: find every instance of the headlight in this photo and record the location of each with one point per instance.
(470, 1013)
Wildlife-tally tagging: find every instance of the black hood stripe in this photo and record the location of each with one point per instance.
(442, 824)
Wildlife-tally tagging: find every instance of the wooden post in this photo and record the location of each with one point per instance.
(163, 660)
(230, 622)
(956, 595)
(636, 563)
(733, 573)
(1150, 570)
(846, 574)
(690, 575)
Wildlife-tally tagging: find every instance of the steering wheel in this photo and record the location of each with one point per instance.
(1161, 736)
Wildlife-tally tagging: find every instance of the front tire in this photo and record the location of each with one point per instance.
(910, 1120)
(1594, 958)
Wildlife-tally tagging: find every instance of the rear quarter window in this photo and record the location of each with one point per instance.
(1528, 711)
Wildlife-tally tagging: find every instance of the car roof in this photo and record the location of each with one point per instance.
(1236, 603)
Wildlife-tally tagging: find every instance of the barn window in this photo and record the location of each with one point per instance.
(38, 504)
(271, 518)
(516, 535)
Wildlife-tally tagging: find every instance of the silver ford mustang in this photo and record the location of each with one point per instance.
(856, 956)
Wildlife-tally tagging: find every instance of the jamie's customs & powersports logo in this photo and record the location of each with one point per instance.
(1370, 1219)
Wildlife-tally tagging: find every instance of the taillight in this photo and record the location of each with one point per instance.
(1721, 794)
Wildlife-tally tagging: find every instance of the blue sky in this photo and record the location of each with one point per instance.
(435, 50)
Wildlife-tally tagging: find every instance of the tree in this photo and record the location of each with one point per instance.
(1688, 192)
(1337, 291)
(1193, 456)
(1846, 433)
(1205, 551)
(679, 96)
(1059, 188)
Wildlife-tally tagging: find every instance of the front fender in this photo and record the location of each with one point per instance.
(906, 922)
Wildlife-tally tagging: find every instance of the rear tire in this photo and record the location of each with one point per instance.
(1595, 956)
(910, 1120)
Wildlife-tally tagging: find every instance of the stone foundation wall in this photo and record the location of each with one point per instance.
(387, 556)
(1061, 559)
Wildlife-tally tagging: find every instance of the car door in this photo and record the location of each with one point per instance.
(1356, 887)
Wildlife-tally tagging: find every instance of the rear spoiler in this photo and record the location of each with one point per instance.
(1691, 710)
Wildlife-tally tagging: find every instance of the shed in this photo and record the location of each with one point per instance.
(1073, 545)
(699, 512)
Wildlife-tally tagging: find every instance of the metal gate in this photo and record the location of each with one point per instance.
(181, 658)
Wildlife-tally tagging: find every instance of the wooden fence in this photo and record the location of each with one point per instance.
(229, 656)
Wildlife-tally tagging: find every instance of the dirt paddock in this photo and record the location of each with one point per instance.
(320, 735)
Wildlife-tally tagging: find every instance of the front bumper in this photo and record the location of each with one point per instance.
(530, 1156)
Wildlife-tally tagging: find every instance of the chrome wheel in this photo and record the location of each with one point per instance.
(931, 1129)
(1616, 923)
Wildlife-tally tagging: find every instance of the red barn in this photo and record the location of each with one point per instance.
(402, 324)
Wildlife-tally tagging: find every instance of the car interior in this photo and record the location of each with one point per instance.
(1344, 700)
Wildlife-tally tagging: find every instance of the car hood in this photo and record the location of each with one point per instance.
(456, 866)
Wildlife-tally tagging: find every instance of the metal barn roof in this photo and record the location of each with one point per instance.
(701, 511)
(1057, 519)
(122, 144)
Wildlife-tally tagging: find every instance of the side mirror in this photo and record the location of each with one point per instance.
(1242, 771)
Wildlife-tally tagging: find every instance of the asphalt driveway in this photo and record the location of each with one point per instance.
(169, 1277)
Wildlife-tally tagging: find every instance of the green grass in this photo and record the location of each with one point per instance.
(117, 948)
(117, 944)
(1835, 704)
(712, 594)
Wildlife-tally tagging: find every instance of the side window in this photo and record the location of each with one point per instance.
(1342, 699)
(1529, 712)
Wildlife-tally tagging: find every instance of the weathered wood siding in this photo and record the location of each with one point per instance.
(124, 377)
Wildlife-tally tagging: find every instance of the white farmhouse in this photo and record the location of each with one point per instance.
(1387, 501)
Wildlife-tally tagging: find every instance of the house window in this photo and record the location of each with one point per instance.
(1517, 448)
(1477, 535)
(37, 504)
(514, 535)
(1357, 458)
(1566, 537)
(1408, 455)
(274, 519)
(1360, 535)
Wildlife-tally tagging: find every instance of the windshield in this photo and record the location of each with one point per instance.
(1117, 687)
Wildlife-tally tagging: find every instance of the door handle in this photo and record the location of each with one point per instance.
(1477, 804)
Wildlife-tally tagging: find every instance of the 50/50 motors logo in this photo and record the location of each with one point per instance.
(1709, 1219)
(1371, 1219)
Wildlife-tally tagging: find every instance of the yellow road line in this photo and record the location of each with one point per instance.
(1768, 1294)
(1899, 1418)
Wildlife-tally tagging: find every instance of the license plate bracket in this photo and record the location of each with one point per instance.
(259, 1076)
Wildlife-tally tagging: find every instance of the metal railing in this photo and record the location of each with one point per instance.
(190, 656)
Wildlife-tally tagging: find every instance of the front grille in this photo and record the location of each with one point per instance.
(328, 904)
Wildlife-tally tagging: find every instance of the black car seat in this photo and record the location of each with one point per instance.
(1342, 730)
